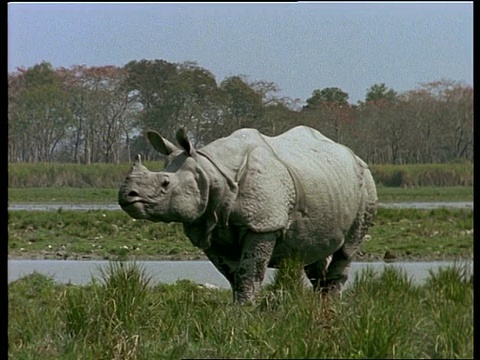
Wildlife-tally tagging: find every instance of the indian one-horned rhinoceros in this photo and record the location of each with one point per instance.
(249, 201)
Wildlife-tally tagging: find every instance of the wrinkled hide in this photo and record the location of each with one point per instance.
(250, 200)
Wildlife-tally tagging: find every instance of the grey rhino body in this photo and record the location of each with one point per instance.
(250, 200)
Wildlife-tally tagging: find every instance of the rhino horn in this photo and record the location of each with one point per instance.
(138, 160)
(137, 165)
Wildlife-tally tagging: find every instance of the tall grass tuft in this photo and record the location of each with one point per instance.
(289, 284)
(378, 325)
(32, 317)
(448, 292)
(110, 314)
(290, 276)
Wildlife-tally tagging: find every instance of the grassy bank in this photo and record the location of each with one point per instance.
(65, 195)
(111, 175)
(62, 195)
(123, 317)
(425, 194)
(25, 175)
(410, 234)
(414, 175)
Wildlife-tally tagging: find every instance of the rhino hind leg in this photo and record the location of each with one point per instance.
(317, 272)
(329, 275)
(336, 275)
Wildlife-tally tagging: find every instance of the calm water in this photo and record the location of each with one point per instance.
(81, 272)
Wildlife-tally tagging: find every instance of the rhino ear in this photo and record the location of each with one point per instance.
(183, 141)
(163, 146)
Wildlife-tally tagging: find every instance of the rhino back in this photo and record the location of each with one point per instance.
(230, 153)
(332, 185)
(330, 173)
(328, 178)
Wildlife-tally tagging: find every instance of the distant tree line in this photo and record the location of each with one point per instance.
(99, 114)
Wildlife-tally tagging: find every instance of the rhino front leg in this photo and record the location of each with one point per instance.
(256, 253)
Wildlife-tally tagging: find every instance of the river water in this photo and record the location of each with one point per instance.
(202, 272)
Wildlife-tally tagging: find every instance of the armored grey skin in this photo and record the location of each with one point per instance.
(249, 201)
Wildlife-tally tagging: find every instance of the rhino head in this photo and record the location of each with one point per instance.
(178, 193)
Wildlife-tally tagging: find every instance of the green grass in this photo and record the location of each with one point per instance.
(66, 195)
(124, 316)
(429, 234)
(62, 195)
(94, 234)
(408, 233)
(425, 194)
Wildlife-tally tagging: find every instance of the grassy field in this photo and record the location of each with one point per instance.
(425, 194)
(62, 195)
(410, 234)
(66, 195)
(413, 175)
(21, 175)
(123, 317)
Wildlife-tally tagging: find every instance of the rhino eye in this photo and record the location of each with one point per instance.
(165, 183)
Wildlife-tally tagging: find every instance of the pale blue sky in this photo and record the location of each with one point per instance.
(299, 46)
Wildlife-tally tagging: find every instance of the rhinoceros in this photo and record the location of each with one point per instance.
(249, 201)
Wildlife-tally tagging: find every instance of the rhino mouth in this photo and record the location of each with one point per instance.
(133, 198)
(142, 210)
(136, 209)
(125, 203)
